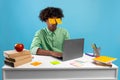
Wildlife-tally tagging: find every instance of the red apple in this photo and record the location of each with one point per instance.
(19, 47)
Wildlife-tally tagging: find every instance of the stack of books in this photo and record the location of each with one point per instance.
(104, 60)
(14, 58)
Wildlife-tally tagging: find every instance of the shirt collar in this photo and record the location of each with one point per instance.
(50, 32)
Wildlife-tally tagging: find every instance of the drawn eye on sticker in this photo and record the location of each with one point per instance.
(59, 21)
(51, 21)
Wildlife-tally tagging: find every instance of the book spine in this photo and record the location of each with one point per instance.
(9, 63)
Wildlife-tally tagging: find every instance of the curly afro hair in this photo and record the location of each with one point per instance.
(50, 12)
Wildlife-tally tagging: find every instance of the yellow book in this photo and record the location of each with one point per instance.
(104, 59)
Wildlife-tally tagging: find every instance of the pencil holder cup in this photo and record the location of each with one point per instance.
(96, 52)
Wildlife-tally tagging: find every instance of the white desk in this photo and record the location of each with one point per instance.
(63, 71)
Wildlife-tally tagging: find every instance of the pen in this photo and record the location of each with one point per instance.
(90, 55)
(96, 50)
(94, 46)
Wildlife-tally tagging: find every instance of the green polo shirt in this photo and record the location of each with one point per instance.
(47, 40)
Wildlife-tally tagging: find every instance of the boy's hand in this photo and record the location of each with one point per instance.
(56, 54)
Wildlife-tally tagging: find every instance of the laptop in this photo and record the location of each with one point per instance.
(72, 48)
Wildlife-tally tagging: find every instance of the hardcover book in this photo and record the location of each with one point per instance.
(19, 58)
(18, 63)
(104, 59)
(14, 53)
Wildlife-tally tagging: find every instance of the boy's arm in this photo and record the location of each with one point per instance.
(48, 53)
(35, 43)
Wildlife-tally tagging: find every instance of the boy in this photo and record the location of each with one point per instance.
(49, 41)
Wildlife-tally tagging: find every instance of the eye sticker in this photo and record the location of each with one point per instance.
(53, 21)
(59, 21)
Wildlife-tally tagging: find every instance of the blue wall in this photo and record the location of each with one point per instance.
(98, 21)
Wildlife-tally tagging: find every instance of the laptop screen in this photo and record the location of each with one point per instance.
(73, 48)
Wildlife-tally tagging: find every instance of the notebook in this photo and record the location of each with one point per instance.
(72, 48)
(104, 59)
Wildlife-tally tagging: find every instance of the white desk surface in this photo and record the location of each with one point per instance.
(63, 71)
(86, 63)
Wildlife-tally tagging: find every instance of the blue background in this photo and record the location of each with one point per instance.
(98, 21)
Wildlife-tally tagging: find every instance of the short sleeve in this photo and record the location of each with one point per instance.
(35, 43)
